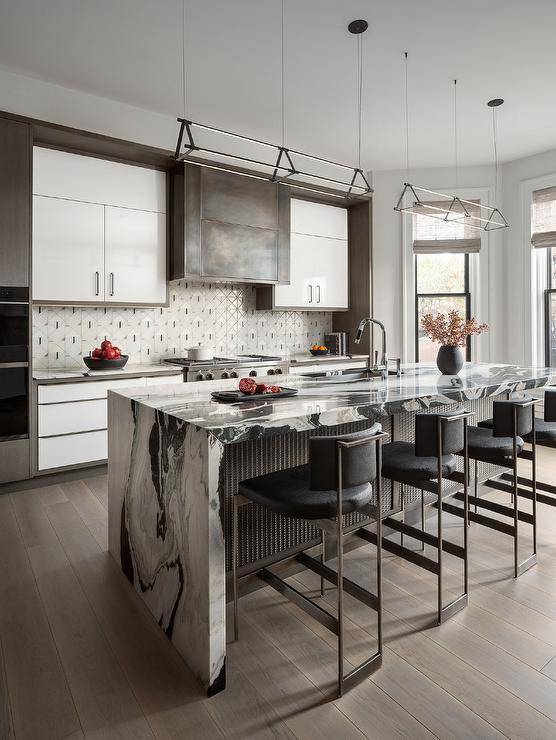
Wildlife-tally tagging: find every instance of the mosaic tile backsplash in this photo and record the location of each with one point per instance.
(221, 315)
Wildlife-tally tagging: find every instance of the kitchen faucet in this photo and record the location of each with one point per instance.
(383, 366)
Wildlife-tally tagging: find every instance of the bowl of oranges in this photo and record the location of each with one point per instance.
(319, 349)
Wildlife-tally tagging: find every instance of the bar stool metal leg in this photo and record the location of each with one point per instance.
(439, 519)
(322, 558)
(402, 503)
(340, 556)
(422, 518)
(234, 565)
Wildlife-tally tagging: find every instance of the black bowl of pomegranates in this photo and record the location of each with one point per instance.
(106, 357)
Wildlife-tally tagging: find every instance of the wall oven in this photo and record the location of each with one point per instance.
(14, 383)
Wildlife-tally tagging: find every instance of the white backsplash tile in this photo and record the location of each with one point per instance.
(222, 315)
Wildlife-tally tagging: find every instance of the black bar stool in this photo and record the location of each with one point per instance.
(337, 480)
(425, 465)
(500, 441)
(545, 435)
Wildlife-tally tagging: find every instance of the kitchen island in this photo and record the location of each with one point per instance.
(176, 457)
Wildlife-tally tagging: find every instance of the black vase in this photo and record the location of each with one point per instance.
(449, 360)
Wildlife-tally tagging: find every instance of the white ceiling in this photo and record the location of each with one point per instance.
(130, 51)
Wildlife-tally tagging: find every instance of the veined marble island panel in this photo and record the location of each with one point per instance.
(171, 474)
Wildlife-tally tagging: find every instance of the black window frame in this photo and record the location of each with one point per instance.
(466, 294)
(547, 312)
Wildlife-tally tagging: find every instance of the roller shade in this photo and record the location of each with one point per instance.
(436, 235)
(543, 218)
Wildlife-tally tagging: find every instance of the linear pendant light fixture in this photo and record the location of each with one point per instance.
(451, 208)
(216, 148)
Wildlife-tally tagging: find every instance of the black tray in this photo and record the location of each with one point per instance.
(234, 396)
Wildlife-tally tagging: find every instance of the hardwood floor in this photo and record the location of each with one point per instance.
(81, 657)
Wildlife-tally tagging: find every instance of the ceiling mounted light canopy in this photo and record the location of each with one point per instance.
(216, 148)
(450, 208)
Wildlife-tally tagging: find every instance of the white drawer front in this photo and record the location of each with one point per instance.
(165, 380)
(85, 390)
(68, 418)
(72, 449)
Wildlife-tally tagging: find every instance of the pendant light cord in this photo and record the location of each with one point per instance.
(359, 96)
(495, 145)
(283, 81)
(183, 70)
(456, 132)
(406, 121)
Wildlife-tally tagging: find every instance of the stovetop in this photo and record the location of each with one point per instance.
(237, 361)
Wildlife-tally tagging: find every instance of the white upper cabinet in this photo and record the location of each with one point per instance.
(68, 250)
(318, 219)
(318, 260)
(135, 244)
(93, 180)
(99, 231)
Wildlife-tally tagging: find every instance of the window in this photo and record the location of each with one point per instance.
(543, 236)
(550, 309)
(441, 248)
(441, 284)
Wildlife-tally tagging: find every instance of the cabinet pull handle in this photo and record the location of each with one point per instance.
(310, 293)
(318, 294)
(97, 283)
(111, 283)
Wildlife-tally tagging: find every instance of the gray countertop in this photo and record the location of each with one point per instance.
(307, 358)
(52, 375)
(331, 401)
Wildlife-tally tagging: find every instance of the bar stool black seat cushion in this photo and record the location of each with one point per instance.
(545, 431)
(287, 492)
(400, 463)
(483, 445)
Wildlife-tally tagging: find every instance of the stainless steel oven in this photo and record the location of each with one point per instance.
(14, 325)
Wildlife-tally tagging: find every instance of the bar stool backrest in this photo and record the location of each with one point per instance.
(358, 463)
(503, 415)
(550, 404)
(426, 434)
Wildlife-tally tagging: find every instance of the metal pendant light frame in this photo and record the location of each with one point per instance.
(457, 210)
(284, 170)
(473, 215)
(285, 166)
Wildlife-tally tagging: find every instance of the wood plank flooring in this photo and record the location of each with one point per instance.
(81, 657)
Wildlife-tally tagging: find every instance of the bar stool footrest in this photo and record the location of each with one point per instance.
(523, 516)
(403, 552)
(486, 521)
(350, 587)
(546, 487)
(314, 610)
(426, 537)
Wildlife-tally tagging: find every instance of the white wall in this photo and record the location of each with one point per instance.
(43, 100)
(388, 254)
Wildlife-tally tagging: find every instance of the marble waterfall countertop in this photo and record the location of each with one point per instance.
(333, 400)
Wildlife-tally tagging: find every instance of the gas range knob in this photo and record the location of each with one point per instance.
(253, 373)
(278, 371)
(225, 375)
(233, 374)
(271, 371)
(210, 376)
(200, 376)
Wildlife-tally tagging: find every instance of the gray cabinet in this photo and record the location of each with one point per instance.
(15, 202)
(229, 227)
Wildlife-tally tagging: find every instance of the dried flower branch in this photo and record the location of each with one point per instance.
(451, 329)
